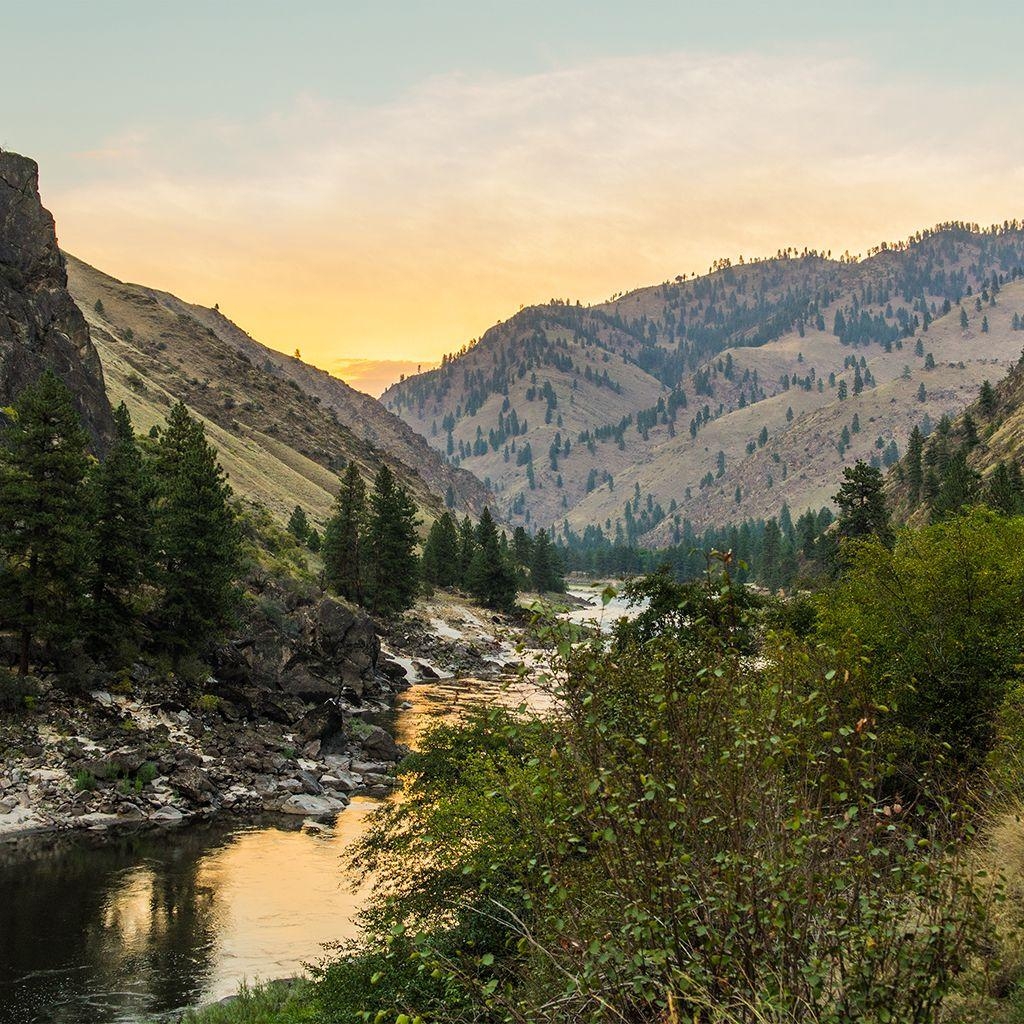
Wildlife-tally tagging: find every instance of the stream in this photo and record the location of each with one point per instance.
(113, 930)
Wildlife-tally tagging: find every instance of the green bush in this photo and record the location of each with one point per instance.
(941, 620)
(17, 693)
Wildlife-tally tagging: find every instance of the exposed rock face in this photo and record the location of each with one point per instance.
(40, 325)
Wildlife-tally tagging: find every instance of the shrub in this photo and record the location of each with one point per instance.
(17, 693)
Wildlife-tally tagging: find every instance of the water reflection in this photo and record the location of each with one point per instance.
(102, 933)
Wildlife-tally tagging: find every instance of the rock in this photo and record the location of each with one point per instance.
(194, 785)
(300, 682)
(344, 782)
(303, 803)
(380, 744)
(310, 783)
(167, 815)
(40, 325)
(391, 669)
(327, 723)
(425, 671)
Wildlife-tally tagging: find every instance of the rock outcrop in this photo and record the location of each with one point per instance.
(40, 325)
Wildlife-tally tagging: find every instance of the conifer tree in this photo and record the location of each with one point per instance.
(862, 511)
(122, 508)
(390, 565)
(467, 549)
(298, 524)
(197, 537)
(441, 553)
(545, 566)
(915, 473)
(490, 578)
(987, 399)
(1006, 489)
(43, 525)
(341, 547)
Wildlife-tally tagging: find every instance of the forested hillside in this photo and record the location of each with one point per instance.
(720, 398)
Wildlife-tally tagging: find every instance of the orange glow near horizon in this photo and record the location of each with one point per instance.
(377, 240)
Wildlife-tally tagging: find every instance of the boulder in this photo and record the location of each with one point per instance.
(167, 815)
(317, 806)
(379, 744)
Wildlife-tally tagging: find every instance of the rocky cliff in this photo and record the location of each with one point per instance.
(40, 325)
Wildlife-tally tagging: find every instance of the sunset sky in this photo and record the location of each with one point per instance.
(380, 182)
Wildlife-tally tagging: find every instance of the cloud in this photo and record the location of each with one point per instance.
(401, 230)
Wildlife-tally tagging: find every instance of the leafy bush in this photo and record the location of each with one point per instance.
(941, 619)
(695, 834)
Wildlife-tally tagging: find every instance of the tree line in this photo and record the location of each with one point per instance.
(104, 558)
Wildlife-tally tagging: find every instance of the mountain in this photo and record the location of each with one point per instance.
(40, 325)
(724, 396)
(283, 429)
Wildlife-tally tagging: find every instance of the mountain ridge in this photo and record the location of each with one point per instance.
(659, 387)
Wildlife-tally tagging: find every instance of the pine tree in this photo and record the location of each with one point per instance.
(1005, 493)
(958, 487)
(915, 473)
(490, 578)
(390, 565)
(545, 566)
(197, 537)
(467, 549)
(987, 399)
(343, 569)
(862, 511)
(44, 537)
(122, 506)
(441, 553)
(298, 524)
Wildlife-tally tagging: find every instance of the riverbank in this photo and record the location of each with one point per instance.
(144, 753)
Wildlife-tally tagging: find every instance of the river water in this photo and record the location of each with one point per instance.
(110, 931)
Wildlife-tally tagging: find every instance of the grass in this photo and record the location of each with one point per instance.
(275, 1002)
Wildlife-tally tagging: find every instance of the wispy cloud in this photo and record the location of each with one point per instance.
(401, 230)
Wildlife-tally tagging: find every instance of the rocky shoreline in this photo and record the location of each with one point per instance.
(284, 725)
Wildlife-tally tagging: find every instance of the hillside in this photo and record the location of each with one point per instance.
(283, 429)
(719, 397)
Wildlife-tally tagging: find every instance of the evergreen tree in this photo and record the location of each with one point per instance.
(958, 487)
(43, 525)
(490, 578)
(915, 473)
(343, 568)
(545, 566)
(467, 549)
(390, 565)
(298, 524)
(441, 553)
(122, 509)
(1006, 490)
(862, 511)
(197, 537)
(987, 399)
(313, 540)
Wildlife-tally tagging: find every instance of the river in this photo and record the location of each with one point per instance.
(95, 930)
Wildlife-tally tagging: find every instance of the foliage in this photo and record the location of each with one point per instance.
(692, 834)
(198, 537)
(121, 499)
(43, 523)
(490, 577)
(341, 548)
(391, 568)
(941, 620)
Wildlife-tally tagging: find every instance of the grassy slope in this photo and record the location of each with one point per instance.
(279, 444)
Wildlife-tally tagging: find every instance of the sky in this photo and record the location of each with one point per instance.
(376, 184)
